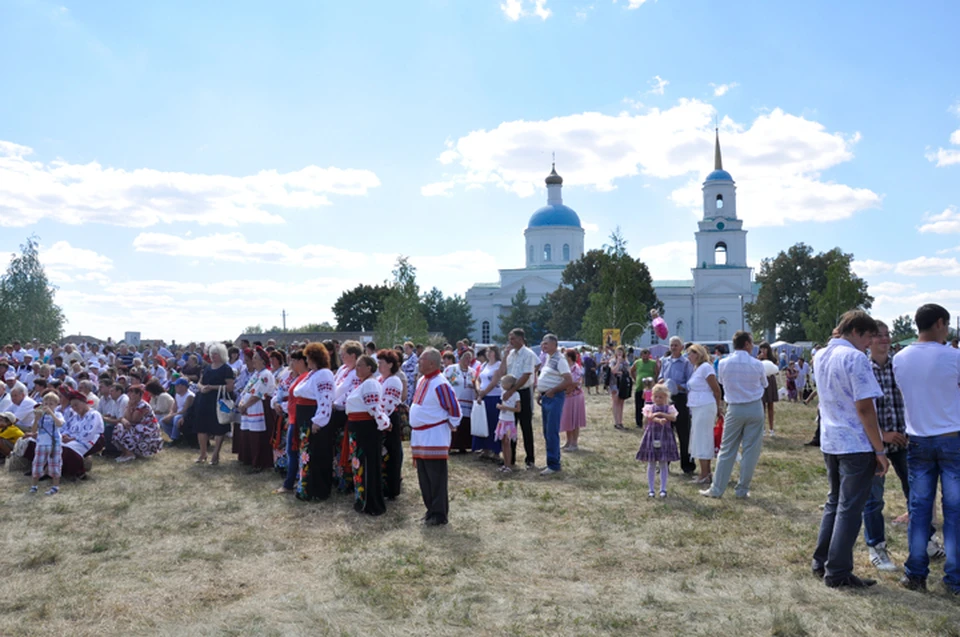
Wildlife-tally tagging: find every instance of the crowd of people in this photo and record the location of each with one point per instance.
(332, 417)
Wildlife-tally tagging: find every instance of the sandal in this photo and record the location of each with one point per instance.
(281, 491)
(505, 469)
(215, 461)
(202, 460)
(620, 427)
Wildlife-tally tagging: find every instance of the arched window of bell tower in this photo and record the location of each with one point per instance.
(719, 202)
(720, 254)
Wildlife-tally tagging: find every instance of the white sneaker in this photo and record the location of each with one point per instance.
(881, 559)
(548, 472)
(935, 550)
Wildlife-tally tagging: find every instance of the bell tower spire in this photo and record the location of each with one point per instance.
(717, 160)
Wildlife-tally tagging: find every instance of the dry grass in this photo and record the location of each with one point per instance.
(165, 547)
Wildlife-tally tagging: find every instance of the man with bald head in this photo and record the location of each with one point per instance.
(434, 412)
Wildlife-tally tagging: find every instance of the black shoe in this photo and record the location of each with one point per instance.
(912, 583)
(850, 581)
(435, 522)
(812, 443)
(818, 570)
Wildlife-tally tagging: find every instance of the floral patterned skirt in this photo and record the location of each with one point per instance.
(365, 462)
(142, 439)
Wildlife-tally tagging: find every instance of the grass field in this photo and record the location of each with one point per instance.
(164, 547)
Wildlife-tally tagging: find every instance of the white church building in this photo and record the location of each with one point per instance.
(553, 238)
(707, 308)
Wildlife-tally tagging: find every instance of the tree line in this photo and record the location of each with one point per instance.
(801, 297)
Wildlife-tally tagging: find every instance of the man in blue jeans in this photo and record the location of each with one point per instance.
(928, 373)
(852, 445)
(553, 381)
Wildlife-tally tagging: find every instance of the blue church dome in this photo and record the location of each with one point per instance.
(554, 215)
(719, 175)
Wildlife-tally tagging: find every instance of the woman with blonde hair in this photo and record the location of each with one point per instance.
(703, 400)
(215, 376)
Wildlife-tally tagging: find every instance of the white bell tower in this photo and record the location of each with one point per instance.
(721, 240)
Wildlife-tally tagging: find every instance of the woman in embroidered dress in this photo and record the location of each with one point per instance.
(574, 415)
(284, 377)
(314, 407)
(461, 378)
(138, 432)
(285, 405)
(254, 429)
(366, 420)
(346, 381)
(243, 376)
(391, 396)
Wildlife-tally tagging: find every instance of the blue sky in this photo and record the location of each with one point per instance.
(195, 167)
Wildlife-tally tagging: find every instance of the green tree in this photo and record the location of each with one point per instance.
(357, 310)
(401, 319)
(840, 294)
(624, 297)
(568, 304)
(27, 309)
(787, 282)
(431, 306)
(902, 329)
(450, 316)
(456, 320)
(253, 329)
(519, 315)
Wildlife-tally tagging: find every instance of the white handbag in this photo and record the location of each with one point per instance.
(478, 421)
(225, 407)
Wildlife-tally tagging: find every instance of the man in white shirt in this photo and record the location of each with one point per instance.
(522, 365)
(22, 407)
(928, 374)
(852, 445)
(112, 407)
(743, 379)
(552, 384)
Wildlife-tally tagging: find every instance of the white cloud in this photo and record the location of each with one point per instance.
(929, 266)
(948, 156)
(658, 84)
(719, 90)
(438, 189)
(947, 222)
(590, 227)
(671, 260)
(61, 262)
(777, 159)
(234, 247)
(516, 9)
(633, 4)
(584, 12)
(84, 193)
(890, 288)
(513, 9)
(866, 267)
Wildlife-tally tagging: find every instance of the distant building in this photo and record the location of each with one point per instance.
(553, 238)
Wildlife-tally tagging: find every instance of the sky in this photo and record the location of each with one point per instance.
(192, 168)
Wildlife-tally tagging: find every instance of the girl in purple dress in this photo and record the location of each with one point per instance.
(659, 443)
